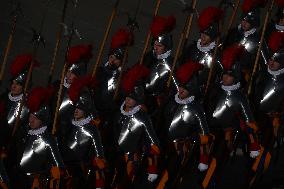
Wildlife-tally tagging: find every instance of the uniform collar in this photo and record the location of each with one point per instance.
(276, 73)
(164, 55)
(184, 101)
(279, 27)
(231, 87)
(205, 48)
(82, 122)
(247, 33)
(131, 112)
(65, 84)
(15, 98)
(38, 131)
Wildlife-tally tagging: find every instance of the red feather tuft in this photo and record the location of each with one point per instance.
(20, 63)
(134, 74)
(208, 16)
(280, 3)
(39, 96)
(121, 38)
(78, 84)
(231, 54)
(248, 5)
(162, 25)
(185, 71)
(276, 41)
(79, 52)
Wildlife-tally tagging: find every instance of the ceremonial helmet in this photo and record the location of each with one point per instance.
(208, 21)
(119, 41)
(186, 76)
(161, 28)
(280, 11)
(77, 58)
(251, 11)
(276, 46)
(133, 82)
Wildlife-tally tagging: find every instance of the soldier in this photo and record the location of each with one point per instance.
(185, 121)
(202, 51)
(77, 59)
(108, 76)
(10, 101)
(269, 91)
(134, 128)
(159, 61)
(108, 73)
(40, 160)
(229, 110)
(246, 34)
(83, 152)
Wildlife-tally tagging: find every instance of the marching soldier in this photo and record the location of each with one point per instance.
(269, 91)
(83, 153)
(108, 74)
(202, 51)
(229, 110)
(185, 121)
(77, 59)
(10, 101)
(133, 126)
(246, 34)
(159, 61)
(40, 161)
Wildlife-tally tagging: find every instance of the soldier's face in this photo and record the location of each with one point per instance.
(273, 65)
(204, 39)
(227, 79)
(159, 48)
(16, 88)
(70, 77)
(78, 114)
(34, 122)
(281, 22)
(183, 93)
(245, 25)
(129, 102)
(113, 61)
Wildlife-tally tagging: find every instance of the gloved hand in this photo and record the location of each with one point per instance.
(254, 150)
(152, 173)
(203, 162)
(99, 162)
(253, 126)
(152, 177)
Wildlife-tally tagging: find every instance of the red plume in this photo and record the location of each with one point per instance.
(162, 25)
(185, 71)
(19, 63)
(280, 3)
(208, 16)
(78, 53)
(276, 41)
(78, 84)
(121, 38)
(231, 54)
(248, 5)
(39, 96)
(134, 74)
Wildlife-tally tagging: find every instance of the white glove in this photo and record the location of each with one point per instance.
(99, 188)
(152, 177)
(202, 167)
(253, 154)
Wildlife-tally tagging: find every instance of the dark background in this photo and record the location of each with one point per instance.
(91, 17)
